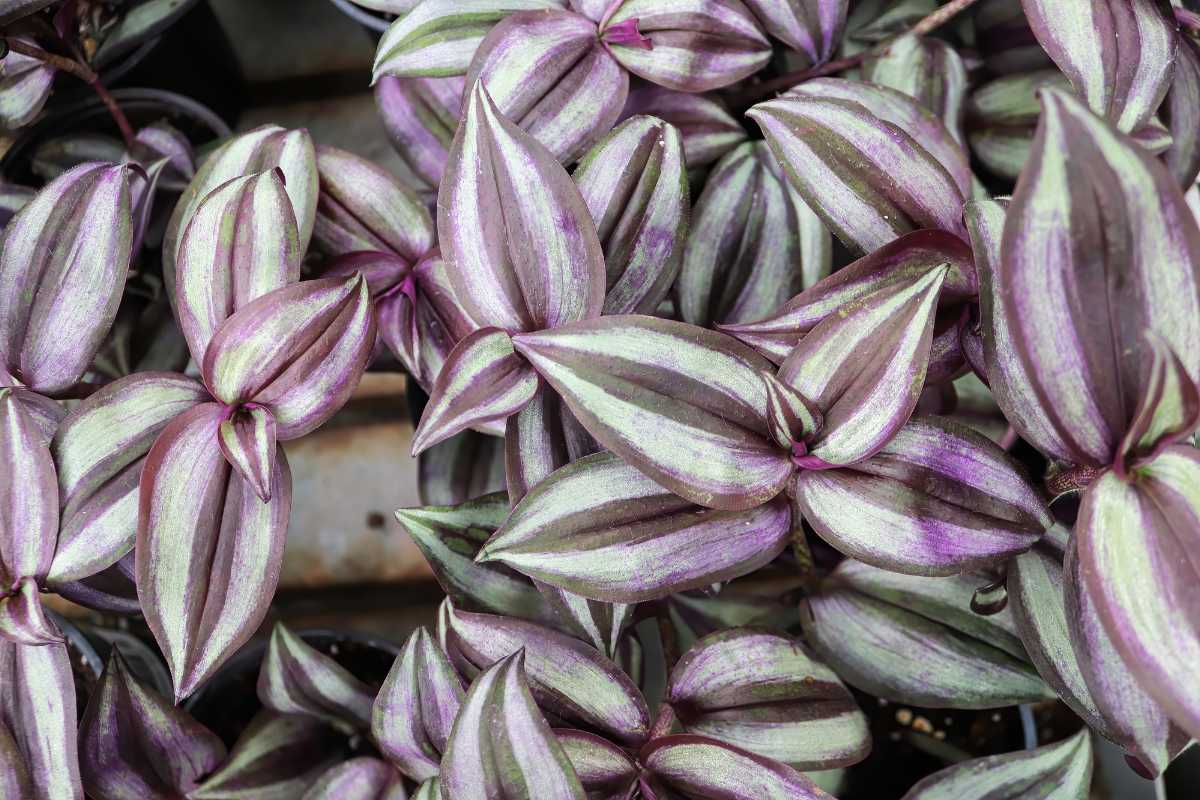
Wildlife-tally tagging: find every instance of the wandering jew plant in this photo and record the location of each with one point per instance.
(804, 377)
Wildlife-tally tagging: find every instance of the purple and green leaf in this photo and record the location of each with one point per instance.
(415, 709)
(916, 640)
(133, 743)
(296, 678)
(501, 747)
(634, 182)
(601, 529)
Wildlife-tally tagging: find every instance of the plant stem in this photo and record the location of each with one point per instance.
(85, 74)
(58, 62)
(940, 17)
(929, 24)
(115, 112)
(760, 90)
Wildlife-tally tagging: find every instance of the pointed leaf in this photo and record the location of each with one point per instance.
(37, 705)
(1066, 641)
(915, 640)
(420, 116)
(1119, 54)
(63, 263)
(134, 744)
(361, 778)
(98, 451)
(604, 769)
(905, 113)
(594, 621)
(813, 29)
(634, 182)
(539, 439)
(1135, 256)
(549, 74)
(663, 395)
(438, 307)
(792, 417)
(707, 129)
(1181, 113)
(900, 261)
(1009, 380)
(938, 499)
(537, 265)
(415, 709)
(258, 150)
(277, 757)
(299, 351)
(162, 140)
(419, 319)
(1063, 769)
(1136, 542)
(1133, 718)
(695, 45)
(46, 414)
(295, 678)
(706, 769)
(501, 747)
(137, 24)
(566, 676)
(753, 242)
(765, 693)
(928, 70)
(438, 38)
(483, 380)
(451, 537)
(1169, 410)
(208, 550)
(247, 439)
(864, 175)
(28, 496)
(1002, 116)
(864, 368)
(362, 207)
(601, 529)
(239, 244)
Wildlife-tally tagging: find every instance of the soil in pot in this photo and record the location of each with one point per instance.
(912, 742)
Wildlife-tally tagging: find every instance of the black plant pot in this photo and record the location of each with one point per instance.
(115, 67)
(911, 743)
(89, 647)
(142, 106)
(229, 700)
(142, 659)
(86, 662)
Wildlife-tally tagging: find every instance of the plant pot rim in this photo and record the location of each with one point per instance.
(250, 656)
(132, 100)
(362, 16)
